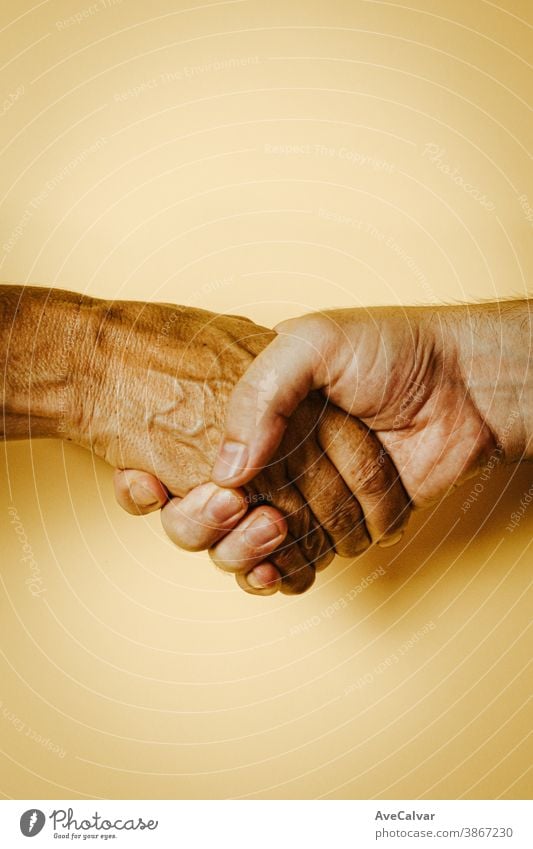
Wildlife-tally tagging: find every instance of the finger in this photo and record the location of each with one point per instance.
(288, 570)
(264, 579)
(325, 491)
(369, 474)
(240, 553)
(138, 492)
(264, 398)
(199, 519)
(254, 539)
(261, 534)
(306, 532)
(297, 574)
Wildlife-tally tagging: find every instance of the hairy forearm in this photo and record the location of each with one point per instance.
(41, 333)
(495, 351)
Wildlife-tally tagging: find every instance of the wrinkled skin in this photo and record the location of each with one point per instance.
(444, 389)
(151, 395)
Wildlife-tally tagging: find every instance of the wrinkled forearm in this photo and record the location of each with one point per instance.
(142, 385)
(41, 333)
(495, 353)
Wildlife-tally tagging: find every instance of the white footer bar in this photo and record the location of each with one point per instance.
(268, 824)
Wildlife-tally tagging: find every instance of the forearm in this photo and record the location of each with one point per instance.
(41, 333)
(495, 351)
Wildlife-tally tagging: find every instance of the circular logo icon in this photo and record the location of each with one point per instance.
(32, 822)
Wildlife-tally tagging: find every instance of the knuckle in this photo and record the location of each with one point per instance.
(315, 544)
(398, 521)
(353, 544)
(343, 517)
(297, 575)
(345, 525)
(310, 536)
(299, 581)
(314, 326)
(287, 559)
(371, 477)
(324, 561)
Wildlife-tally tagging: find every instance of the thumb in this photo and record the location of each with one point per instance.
(279, 378)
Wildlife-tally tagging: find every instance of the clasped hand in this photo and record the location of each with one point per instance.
(273, 450)
(327, 482)
(324, 483)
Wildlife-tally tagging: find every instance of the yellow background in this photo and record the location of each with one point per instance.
(264, 158)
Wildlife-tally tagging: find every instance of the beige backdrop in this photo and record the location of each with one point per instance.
(264, 157)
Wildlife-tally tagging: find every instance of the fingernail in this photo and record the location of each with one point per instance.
(390, 541)
(142, 495)
(264, 577)
(262, 531)
(254, 581)
(231, 460)
(223, 506)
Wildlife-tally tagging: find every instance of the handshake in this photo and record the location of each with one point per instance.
(274, 451)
